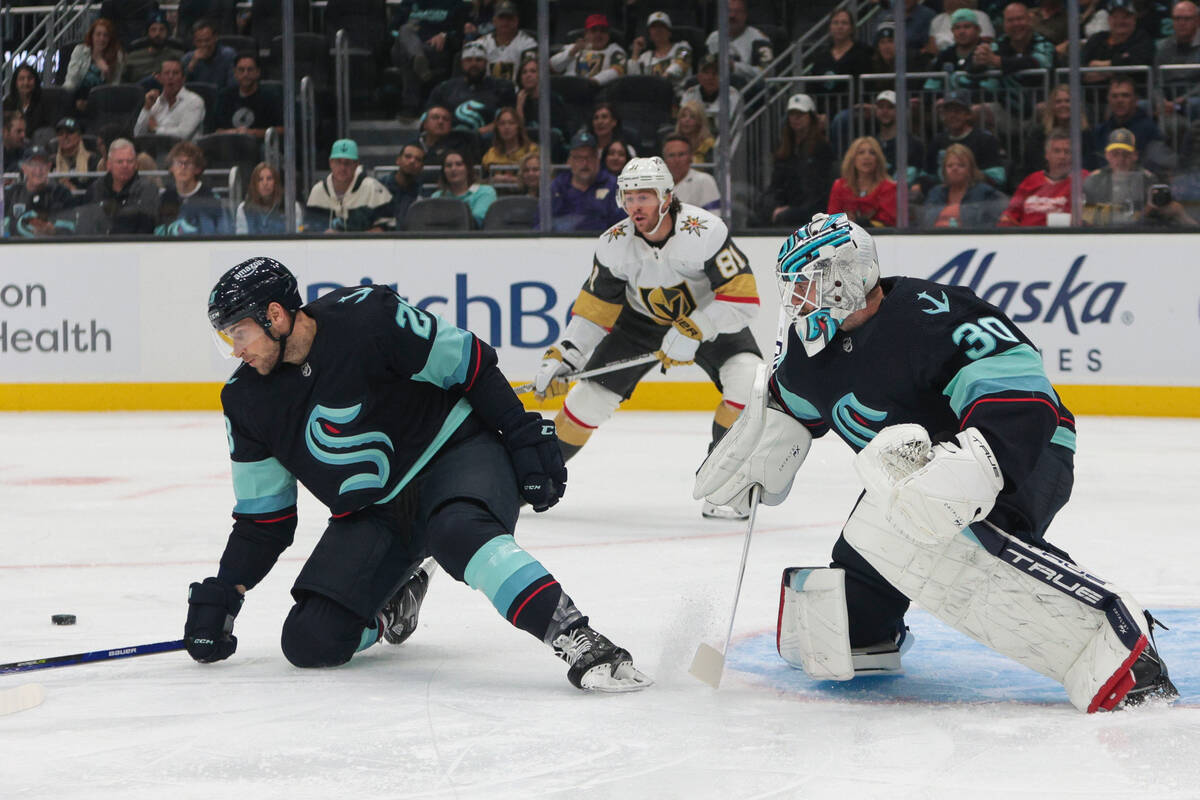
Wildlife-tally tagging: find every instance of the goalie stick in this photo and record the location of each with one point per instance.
(624, 363)
(21, 698)
(94, 655)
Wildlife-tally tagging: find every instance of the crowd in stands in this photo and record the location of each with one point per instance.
(181, 95)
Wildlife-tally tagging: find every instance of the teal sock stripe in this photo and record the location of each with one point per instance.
(369, 636)
(502, 570)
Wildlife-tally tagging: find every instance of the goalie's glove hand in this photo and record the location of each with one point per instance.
(208, 632)
(559, 360)
(537, 459)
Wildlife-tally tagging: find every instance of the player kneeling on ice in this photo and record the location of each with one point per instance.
(667, 280)
(405, 428)
(966, 453)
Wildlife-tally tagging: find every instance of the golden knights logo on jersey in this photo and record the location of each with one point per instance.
(615, 232)
(692, 224)
(668, 303)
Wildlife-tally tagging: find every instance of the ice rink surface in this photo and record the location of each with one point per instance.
(110, 516)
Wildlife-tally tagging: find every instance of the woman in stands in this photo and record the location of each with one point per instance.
(605, 125)
(527, 100)
(692, 122)
(531, 175)
(963, 199)
(865, 192)
(262, 212)
(844, 55)
(614, 157)
(460, 180)
(509, 148)
(25, 95)
(803, 162)
(99, 60)
(1056, 113)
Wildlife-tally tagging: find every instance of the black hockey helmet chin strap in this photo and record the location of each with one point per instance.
(281, 339)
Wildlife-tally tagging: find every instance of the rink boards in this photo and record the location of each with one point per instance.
(108, 325)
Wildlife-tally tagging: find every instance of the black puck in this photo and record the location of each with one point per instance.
(63, 619)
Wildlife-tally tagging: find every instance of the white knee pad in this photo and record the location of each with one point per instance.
(737, 376)
(591, 404)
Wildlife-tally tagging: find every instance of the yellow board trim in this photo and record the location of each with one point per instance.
(1134, 401)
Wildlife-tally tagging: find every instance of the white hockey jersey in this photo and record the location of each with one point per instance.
(504, 60)
(675, 66)
(698, 266)
(601, 66)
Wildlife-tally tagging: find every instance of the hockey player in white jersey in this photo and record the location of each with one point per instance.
(966, 453)
(666, 280)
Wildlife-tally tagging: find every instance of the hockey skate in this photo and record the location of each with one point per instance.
(596, 664)
(1151, 681)
(399, 615)
(882, 658)
(712, 511)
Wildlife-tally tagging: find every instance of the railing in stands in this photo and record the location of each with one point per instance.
(41, 44)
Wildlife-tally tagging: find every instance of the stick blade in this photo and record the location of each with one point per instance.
(708, 664)
(22, 698)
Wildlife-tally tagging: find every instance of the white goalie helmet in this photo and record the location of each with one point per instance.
(645, 173)
(824, 272)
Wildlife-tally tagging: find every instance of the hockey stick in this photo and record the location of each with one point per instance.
(624, 363)
(95, 655)
(709, 663)
(21, 698)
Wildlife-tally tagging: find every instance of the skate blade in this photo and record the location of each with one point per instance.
(710, 511)
(625, 678)
(708, 664)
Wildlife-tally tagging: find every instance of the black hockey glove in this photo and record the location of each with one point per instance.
(537, 460)
(208, 632)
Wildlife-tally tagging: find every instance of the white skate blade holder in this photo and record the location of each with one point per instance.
(21, 698)
(624, 677)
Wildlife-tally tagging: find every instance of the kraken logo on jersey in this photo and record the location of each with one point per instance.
(692, 224)
(668, 303)
(854, 419)
(323, 438)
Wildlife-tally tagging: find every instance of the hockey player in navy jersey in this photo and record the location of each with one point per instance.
(405, 428)
(966, 453)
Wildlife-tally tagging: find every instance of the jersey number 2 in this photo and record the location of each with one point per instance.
(409, 317)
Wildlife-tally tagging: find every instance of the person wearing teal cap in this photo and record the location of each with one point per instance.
(348, 200)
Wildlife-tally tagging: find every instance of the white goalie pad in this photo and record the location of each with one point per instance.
(1017, 599)
(764, 446)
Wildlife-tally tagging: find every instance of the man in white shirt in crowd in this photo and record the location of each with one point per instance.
(175, 111)
(696, 188)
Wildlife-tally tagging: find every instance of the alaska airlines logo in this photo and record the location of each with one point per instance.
(668, 303)
(1079, 302)
(853, 420)
(323, 438)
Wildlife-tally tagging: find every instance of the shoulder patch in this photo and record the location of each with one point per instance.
(692, 224)
(616, 232)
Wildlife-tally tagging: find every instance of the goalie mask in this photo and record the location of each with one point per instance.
(824, 272)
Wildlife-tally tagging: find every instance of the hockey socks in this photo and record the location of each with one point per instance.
(521, 589)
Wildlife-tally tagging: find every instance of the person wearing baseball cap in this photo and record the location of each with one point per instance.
(707, 91)
(1116, 194)
(474, 97)
(885, 133)
(960, 56)
(660, 56)
(803, 169)
(348, 199)
(593, 56)
(507, 44)
(958, 128)
(1124, 44)
(940, 29)
(72, 155)
(585, 197)
(35, 206)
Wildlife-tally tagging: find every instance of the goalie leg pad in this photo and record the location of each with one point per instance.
(1015, 598)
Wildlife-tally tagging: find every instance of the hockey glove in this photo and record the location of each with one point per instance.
(208, 632)
(537, 460)
(558, 361)
(677, 349)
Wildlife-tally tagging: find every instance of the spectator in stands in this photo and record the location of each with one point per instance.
(918, 18)
(585, 197)
(349, 199)
(963, 199)
(1116, 194)
(696, 188)
(527, 100)
(1020, 46)
(97, 61)
(692, 123)
(801, 178)
(509, 147)
(208, 62)
(189, 207)
(175, 111)
(1050, 20)
(531, 175)
(72, 156)
(864, 192)
(14, 137)
(245, 108)
(507, 45)
(221, 14)
(750, 49)
(1046, 191)
(262, 212)
(594, 56)
(963, 57)
(1124, 45)
(1183, 47)
(405, 184)
(844, 55)
(707, 92)
(1125, 112)
(36, 206)
(25, 95)
(147, 60)
(958, 127)
(885, 133)
(474, 96)
(660, 56)
(437, 135)
(1055, 113)
(459, 179)
(428, 36)
(615, 156)
(123, 201)
(884, 58)
(129, 17)
(940, 27)
(605, 124)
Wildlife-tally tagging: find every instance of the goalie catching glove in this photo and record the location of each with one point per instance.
(680, 344)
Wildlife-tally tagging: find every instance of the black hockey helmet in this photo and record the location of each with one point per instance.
(247, 290)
